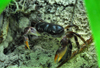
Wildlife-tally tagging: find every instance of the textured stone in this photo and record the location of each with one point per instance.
(22, 12)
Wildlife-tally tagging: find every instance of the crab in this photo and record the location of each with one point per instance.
(65, 50)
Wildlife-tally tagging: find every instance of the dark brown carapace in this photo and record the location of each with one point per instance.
(50, 28)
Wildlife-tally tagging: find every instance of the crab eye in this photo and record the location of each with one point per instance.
(32, 29)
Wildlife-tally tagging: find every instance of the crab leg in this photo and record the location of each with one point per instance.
(71, 26)
(26, 42)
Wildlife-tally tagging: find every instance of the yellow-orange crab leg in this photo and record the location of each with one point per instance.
(59, 54)
(26, 42)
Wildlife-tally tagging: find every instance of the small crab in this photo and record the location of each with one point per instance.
(65, 50)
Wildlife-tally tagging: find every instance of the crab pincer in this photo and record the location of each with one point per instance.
(26, 42)
(63, 52)
(29, 31)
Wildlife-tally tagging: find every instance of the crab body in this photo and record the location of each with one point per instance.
(50, 28)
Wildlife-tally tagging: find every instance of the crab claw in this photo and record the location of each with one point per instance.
(65, 51)
(31, 31)
(60, 54)
(26, 42)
